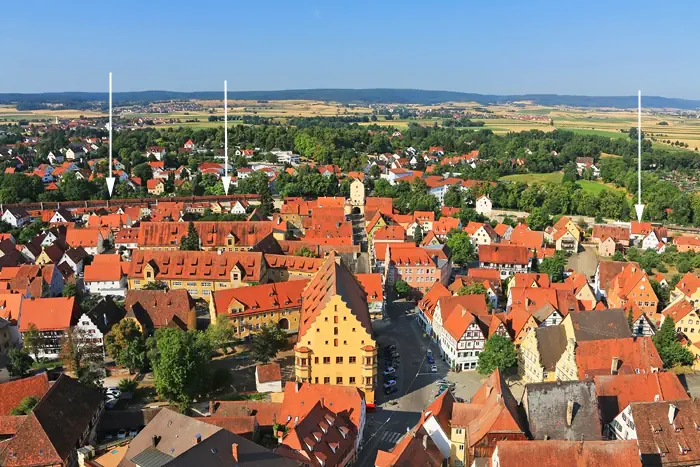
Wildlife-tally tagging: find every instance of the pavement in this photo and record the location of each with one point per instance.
(400, 411)
(586, 261)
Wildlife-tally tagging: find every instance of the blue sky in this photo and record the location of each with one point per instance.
(495, 47)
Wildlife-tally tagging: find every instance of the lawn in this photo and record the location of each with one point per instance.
(554, 177)
(596, 187)
(586, 131)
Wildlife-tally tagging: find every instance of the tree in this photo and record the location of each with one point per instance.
(418, 234)
(303, 251)
(499, 352)
(180, 363)
(618, 256)
(538, 219)
(144, 172)
(554, 266)
(83, 357)
(18, 362)
(126, 344)
(33, 341)
(453, 197)
(671, 351)
(475, 288)
(70, 290)
(461, 246)
(155, 285)
(375, 171)
(402, 288)
(25, 406)
(190, 242)
(266, 343)
(221, 334)
(127, 385)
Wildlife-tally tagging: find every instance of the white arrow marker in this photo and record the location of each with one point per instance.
(110, 174)
(639, 207)
(226, 179)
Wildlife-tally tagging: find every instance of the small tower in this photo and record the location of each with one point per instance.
(357, 193)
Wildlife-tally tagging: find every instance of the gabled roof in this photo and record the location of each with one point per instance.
(503, 254)
(530, 279)
(568, 453)
(617, 233)
(635, 355)
(430, 299)
(12, 392)
(678, 309)
(546, 405)
(159, 308)
(600, 325)
(260, 298)
(688, 284)
(551, 343)
(607, 270)
(372, 284)
(48, 314)
(211, 234)
(332, 279)
(196, 265)
(616, 392)
(106, 267)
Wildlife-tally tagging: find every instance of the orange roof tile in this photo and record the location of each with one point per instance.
(430, 299)
(104, 268)
(211, 234)
(260, 298)
(12, 392)
(160, 308)
(372, 284)
(634, 354)
(269, 372)
(569, 453)
(48, 314)
(503, 254)
(390, 232)
(196, 265)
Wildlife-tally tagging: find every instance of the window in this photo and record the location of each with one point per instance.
(335, 331)
(325, 319)
(327, 380)
(315, 359)
(368, 360)
(339, 380)
(316, 381)
(335, 319)
(352, 359)
(338, 359)
(461, 447)
(326, 360)
(352, 380)
(368, 380)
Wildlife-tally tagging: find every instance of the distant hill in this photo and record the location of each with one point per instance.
(353, 96)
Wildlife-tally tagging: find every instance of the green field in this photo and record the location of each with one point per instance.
(596, 187)
(554, 177)
(585, 131)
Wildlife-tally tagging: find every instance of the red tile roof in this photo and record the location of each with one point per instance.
(430, 299)
(484, 273)
(12, 393)
(390, 232)
(260, 298)
(48, 314)
(634, 354)
(161, 308)
(568, 453)
(503, 254)
(293, 263)
(269, 372)
(211, 234)
(107, 267)
(196, 265)
(372, 284)
(266, 413)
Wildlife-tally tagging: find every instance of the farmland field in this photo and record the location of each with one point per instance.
(596, 187)
(554, 177)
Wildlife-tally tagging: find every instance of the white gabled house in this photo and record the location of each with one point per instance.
(16, 217)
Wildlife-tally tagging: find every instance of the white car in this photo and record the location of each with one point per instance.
(389, 371)
(433, 368)
(390, 383)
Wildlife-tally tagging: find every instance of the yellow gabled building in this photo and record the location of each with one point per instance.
(335, 344)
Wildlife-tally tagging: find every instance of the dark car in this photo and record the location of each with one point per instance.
(390, 390)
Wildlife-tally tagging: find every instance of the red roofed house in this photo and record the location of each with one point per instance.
(565, 453)
(631, 286)
(460, 331)
(155, 186)
(154, 309)
(53, 318)
(417, 267)
(427, 305)
(268, 378)
(507, 259)
(372, 284)
(12, 392)
(250, 308)
(106, 275)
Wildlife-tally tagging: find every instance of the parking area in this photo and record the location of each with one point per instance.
(585, 262)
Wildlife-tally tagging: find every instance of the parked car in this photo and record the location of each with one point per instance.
(390, 390)
(431, 360)
(433, 368)
(429, 353)
(133, 432)
(110, 403)
(390, 383)
(389, 371)
(121, 434)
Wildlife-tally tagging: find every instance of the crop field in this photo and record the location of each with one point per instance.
(554, 177)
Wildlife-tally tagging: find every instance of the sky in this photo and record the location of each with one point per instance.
(489, 47)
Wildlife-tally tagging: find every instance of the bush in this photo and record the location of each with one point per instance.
(127, 385)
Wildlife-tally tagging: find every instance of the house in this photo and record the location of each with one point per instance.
(563, 410)
(639, 230)
(335, 324)
(73, 154)
(583, 163)
(619, 233)
(685, 317)
(249, 309)
(416, 267)
(427, 305)
(268, 378)
(239, 207)
(155, 186)
(530, 239)
(565, 453)
(547, 305)
(464, 331)
(281, 268)
(632, 286)
(607, 247)
(687, 243)
(507, 259)
(655, 240)
(605, 272)
(321, 424)
(442, 227)
(154, 309)
(374, 287)
(664, 431)
(617, 392)
(216, 236)
(265, 413)
(492, 415)
(106, 275)
(61, 216)
(62, 422)
(687, 287)
(481, 233)
(585, 359)
(158, 152)
(493, 288)
(428, 442)
(176, 439)
(483, 205)
(12, 392)
(92, 240)
(199, 272)
(53, 318)
(16, 217)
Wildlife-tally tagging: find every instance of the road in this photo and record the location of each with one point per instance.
(416, 384)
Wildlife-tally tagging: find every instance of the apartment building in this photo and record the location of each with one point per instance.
(417, 267)
(507, 259)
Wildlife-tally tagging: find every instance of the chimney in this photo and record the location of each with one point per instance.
(234, 451)
(322, 401)
(569, 412)
(614, 365)
(672, 410)
(197, 438)
(425, 442)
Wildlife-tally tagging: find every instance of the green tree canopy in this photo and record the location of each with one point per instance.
(18, 362)
(266, 343)
(126, 344)
(474, 288)
(461, 247)
(670, 350)
(402, 288)
(499, 352)
(25, 406)
(191, 241)
(554, 266)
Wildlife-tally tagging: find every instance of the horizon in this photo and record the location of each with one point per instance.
(512, 49)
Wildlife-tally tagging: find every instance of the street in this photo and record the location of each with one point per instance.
(401, 411)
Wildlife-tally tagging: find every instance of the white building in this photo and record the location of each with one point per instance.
(268, 378)
(483, 205)
(237, 207)
(462, 340)
(105, 276)
(86, 329)
(287, 157)
(16, 217)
